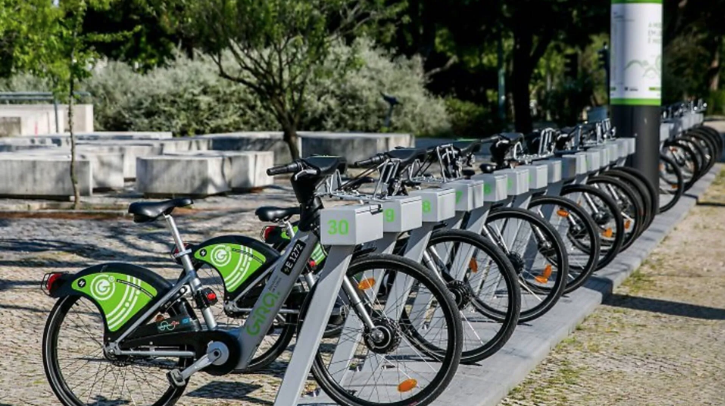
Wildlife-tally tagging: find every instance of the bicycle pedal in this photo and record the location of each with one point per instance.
(175, 378)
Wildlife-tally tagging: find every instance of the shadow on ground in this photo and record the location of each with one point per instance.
(665, 307)
(227, 390)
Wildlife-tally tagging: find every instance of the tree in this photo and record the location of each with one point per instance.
(50, 43)
(275, 47)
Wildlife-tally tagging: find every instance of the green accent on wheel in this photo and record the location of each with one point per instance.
(120, 296)
(636, 102)
(234, 262)
(637, 1)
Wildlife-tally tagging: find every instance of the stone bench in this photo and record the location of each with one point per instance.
(107, 166)
(47, 176)
(202, 174)
(247, 169)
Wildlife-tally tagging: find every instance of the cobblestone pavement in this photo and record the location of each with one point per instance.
(659, 339)
(30, 247)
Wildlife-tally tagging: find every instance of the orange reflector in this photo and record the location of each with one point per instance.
(662, 167)
(673, 187)
(366, 284)
(608, 232)
(544, 277)
(407, 385)
(473, 265)
(562, 213)
(627, 223)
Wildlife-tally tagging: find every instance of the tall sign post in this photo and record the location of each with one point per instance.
(635, 86)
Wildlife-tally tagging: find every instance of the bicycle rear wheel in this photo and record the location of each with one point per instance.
(383, 366)
(629, 203)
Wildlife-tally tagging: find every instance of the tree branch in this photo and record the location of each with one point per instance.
(452, 61)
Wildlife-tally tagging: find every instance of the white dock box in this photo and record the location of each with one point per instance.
(494, 186)
(402, 213)
(437, 204)
(351, 225)
(517, 182)
(538, 176)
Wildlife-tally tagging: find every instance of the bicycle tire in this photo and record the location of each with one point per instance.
(557, 249)
(707, 146)
(58, 380)
(679, 187)
(686, 160)
(578, 274)
(448, 361)
(614, 238)
(700, 153)
(642, 192)
(650, 187)
(630, 201)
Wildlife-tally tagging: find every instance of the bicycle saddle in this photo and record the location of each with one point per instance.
(275, 214)
(326, 165)
(407, 155)
(468, 147)
(144, 212)
(487, 168)
(511, 137)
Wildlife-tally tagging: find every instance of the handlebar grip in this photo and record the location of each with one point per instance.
(376, 160)
(282, 169)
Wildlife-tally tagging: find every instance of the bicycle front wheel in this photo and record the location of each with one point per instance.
(382, 364)
(537, 253)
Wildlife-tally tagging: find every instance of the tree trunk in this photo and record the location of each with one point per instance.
(290, 137)
(713, 73)
(73, 176)
(521, 76)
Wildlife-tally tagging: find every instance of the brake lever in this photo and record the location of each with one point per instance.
(304, 172)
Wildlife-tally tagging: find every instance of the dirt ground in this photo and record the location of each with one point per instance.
(660, 338)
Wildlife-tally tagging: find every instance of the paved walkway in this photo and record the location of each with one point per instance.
(660, 338)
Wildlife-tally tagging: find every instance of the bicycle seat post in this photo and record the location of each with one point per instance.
(183, 253)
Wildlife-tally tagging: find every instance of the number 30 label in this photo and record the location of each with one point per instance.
(341, 227)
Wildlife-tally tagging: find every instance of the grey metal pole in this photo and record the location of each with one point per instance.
(636, 79)
(57, 121)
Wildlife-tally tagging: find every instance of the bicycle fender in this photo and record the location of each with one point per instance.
(122, 292)
(236, 258)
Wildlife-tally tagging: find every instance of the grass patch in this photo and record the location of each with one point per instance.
(638, 281)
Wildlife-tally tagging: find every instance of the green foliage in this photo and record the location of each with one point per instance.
(469, 119)
(188, 97)
(716, 102)
(278, 47)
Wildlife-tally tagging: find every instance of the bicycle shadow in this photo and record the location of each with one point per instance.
(665, 307)
(228, 390)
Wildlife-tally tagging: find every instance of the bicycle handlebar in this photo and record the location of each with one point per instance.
(376, 160)
(282, 169)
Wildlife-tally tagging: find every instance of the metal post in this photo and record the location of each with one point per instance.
(636, 80)
(57, 120)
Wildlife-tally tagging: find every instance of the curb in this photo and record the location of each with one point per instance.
(489, 382)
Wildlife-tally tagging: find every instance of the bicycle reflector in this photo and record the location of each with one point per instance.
(407, 385)
(266, 232)
(544, 277)
(48, 284)
(366, 283)
(473, 264)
